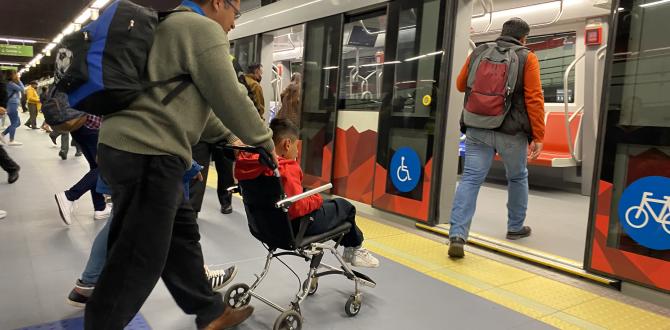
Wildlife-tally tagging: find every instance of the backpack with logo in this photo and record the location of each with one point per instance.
(101, 68)
(492, 79)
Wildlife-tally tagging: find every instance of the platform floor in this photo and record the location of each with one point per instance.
(418, 287)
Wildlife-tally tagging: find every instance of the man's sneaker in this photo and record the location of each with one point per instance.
(456, 247)
(62, 154)
(78, 154)
(102, 215)
(3, 214)
(12, 176)
(514, 235)
(53, 140)
(14, 143)
(360, 257)
(64, 207)
(227, 209)
(219, 278)
(78, 297)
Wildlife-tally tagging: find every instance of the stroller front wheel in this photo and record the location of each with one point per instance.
(353, 305)
(288, 320)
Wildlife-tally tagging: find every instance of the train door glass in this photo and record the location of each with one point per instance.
(284, 57)
(323, 39)
(359, 102)
(403, 168)
(629, 229)
(246, 50)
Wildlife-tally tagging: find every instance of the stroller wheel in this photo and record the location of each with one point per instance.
(353, 305)
(288, 320)
(313, 287)
(235, 294)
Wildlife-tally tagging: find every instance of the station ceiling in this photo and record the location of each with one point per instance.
(42, 20)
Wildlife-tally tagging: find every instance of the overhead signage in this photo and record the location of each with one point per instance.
(405, 169)
(644, 212)
(3, 68)
(16, 50)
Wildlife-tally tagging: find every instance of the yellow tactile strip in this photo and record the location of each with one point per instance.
(549, 301)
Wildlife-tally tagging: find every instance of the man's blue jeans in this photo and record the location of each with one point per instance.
(98, 256)
(481, 146)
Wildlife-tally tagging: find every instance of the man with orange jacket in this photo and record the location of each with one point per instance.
(522, 126)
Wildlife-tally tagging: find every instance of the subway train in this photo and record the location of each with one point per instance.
(378, 81)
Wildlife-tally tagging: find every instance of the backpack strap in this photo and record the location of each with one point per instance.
(185, 80)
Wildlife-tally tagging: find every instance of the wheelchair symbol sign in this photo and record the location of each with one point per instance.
(644, 212)
(405, 169)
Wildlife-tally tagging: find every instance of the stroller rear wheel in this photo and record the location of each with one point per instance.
(235, 294)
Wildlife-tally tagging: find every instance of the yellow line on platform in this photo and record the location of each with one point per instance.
(552, 302)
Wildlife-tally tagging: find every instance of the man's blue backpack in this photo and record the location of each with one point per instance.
(102, 67)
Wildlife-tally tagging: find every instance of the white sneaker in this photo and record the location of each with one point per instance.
(3, 214)
(2, 139)
(360, 258)
(64, 207)
(14, 143)
(102, 215)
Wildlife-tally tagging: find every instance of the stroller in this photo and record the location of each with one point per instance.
(267, 207)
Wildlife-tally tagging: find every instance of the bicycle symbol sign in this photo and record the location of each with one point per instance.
(405, 169)
(644, 212)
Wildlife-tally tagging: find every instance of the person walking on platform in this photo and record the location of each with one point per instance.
(87, 139)
(14, 90)
(143, 153)
(64, 144)
(253, 78)
(33, 103)
(204, 152)
(6, 162)
(506, 127)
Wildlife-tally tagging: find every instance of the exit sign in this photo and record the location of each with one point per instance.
(16, 50)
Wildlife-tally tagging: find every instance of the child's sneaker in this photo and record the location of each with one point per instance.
(360, 257)
(78, 297)
(219, 278)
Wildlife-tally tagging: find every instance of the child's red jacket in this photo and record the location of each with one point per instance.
(247, 167)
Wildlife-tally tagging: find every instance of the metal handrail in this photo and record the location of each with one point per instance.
(566, 102)
(473, 46)
(487, 11)
(558, 16)
(600, 54)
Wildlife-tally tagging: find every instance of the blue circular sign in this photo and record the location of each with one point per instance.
(405, 169)
(644, 212)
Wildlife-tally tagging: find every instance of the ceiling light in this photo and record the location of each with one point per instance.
(95, 13)
(69, 29)
(23, 41)
(99, 4)
(83, 17)
(58, 38)
(655, 3)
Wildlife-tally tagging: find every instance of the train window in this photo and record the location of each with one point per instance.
(362, 62)
(555, 52)
(246, 50)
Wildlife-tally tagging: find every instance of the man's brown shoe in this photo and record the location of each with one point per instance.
(230, 318)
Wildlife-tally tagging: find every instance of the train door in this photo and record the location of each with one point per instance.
(630, 211)
(408, 118)
(359, 102)
(323, 39)
(569, 70)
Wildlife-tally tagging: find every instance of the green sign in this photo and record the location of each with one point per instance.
(16, 50)
(3, 68)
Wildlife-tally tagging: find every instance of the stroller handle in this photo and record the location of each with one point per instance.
(263, 155)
